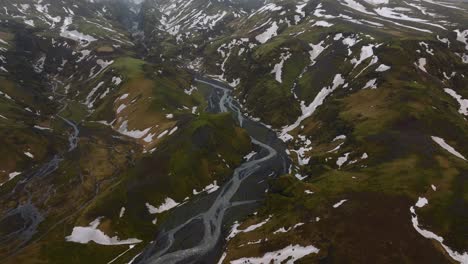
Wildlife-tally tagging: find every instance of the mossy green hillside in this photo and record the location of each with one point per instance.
(205, 149)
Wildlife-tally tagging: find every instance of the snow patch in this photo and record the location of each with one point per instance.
(290, 254)
(463, 102)
(338, 204)
(441, 142)
(307, 111)
(268, 34)
(168, 204)
(84, 235)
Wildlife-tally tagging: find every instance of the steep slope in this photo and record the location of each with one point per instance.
(108, 137)
(371, 98)
(84, 123)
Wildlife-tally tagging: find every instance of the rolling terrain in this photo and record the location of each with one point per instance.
(234, 131)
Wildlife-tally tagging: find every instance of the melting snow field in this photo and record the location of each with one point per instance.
(268, 34)
(316, 51)
(422, 64)
(235, 230)
(285, 230)
(366, 52)
(447, 147)
(382, 68)
(210, 188)
(83, 39)
(290, 253)
(84, 235)
(307, 111)
(123, 129)
(342, 160)
(278, 69)
(250, 155)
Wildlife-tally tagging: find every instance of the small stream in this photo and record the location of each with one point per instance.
(193, 233)
(26, 217)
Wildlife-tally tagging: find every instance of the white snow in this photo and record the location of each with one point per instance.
(103, 64)
(174, 129)
(29, 154)
(42, 128)
(124, 96)
(39, 65)
(288, 255)
(116, 80)
(89, 101)
(307, 111)
(391, 13)
(235, 228)
(120, 108)
(459, 257)
(210, 188)
(29, 22)
(278, 68)
(350, 41)
(434, 188)
(376, 2)
(168, 204)
(421, 202)
(301, 157)
(12, 175)
(441, 142)
(322, 23)
(191, 90)
(338, 204)
(149, 138)
(81, 38)
(122, 212)
(366, 52)
(463, 102)
(317, 49)
(165, 132)
(221, 260)
(439, 3)
(342, 160)
(382, 68)
(356, 6)
(268, 34)
(462, 36)
(285, 230)
(84, 235)
(123, 129)
(422, 64)
(371, 84)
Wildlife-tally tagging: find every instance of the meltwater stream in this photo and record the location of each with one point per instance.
(204, 224)
(27, 215)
